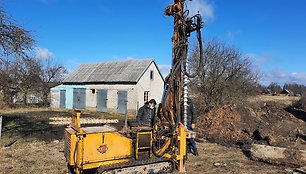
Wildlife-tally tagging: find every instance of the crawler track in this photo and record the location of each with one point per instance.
(151, 166)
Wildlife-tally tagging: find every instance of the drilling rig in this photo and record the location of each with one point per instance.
(157, 149)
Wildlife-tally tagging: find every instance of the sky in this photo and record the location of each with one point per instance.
(271, 33)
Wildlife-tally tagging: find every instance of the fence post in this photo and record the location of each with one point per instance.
(0, 126)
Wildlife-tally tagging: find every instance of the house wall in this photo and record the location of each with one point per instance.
(135, 92)
(112, 96)
(155, 86)
(34, 98)
(55, 95)
(55, 99)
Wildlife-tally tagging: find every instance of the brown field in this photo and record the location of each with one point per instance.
(30, 145)
(286, 100)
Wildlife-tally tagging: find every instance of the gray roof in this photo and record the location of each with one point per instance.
(110, 72)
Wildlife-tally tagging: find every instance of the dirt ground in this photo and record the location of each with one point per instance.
(30, 145)
(235, 160)
(34, 157)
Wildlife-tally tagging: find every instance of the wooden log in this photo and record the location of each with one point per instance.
(278, 155)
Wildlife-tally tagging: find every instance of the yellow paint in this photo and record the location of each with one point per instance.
(167, 155)
(118, 147)
(166, 145)
(79, 154)
(76, 121)
(181, 153)
(70, 145)
(182, 149)
(84, 149)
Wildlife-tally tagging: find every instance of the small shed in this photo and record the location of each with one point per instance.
(286, 92)
(110, 86)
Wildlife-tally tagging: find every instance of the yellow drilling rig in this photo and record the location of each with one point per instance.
(157, 149)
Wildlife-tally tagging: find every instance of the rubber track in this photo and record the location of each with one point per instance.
(109, 168)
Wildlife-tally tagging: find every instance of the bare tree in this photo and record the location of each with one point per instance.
(14, 40)
(225, 77)
(21, 72)
(15, 43)
(275, 88)
(29, 78)
(7, 81)
(295, 88)
(50, 72)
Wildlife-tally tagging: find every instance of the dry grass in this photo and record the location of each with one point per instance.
(286, 100)
(236, 162)
(25, 110)
(33, 157)
(69, 112)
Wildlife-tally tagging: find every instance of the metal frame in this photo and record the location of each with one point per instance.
(137, 148)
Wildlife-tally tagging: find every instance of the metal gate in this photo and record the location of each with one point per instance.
(122, 102)
(79, 98)
(62, 99)
(102, 100)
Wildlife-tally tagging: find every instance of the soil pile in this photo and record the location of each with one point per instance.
(265, 122)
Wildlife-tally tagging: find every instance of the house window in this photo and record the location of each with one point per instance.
(151, 75)
(93, 91)
(146, 96)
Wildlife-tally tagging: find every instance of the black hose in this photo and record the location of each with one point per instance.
(199, 38)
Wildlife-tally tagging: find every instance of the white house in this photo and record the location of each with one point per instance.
(110, 86)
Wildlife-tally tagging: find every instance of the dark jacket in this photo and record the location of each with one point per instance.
(191, 113)
(145, 116)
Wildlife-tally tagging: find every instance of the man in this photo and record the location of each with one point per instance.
(145, 113)
(191, 121)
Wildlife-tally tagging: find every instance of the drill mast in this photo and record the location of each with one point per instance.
(168, 122)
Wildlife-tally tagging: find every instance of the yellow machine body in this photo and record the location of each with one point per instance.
(98, 148)
(92, 147)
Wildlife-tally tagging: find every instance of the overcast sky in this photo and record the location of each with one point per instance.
(272, 33)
